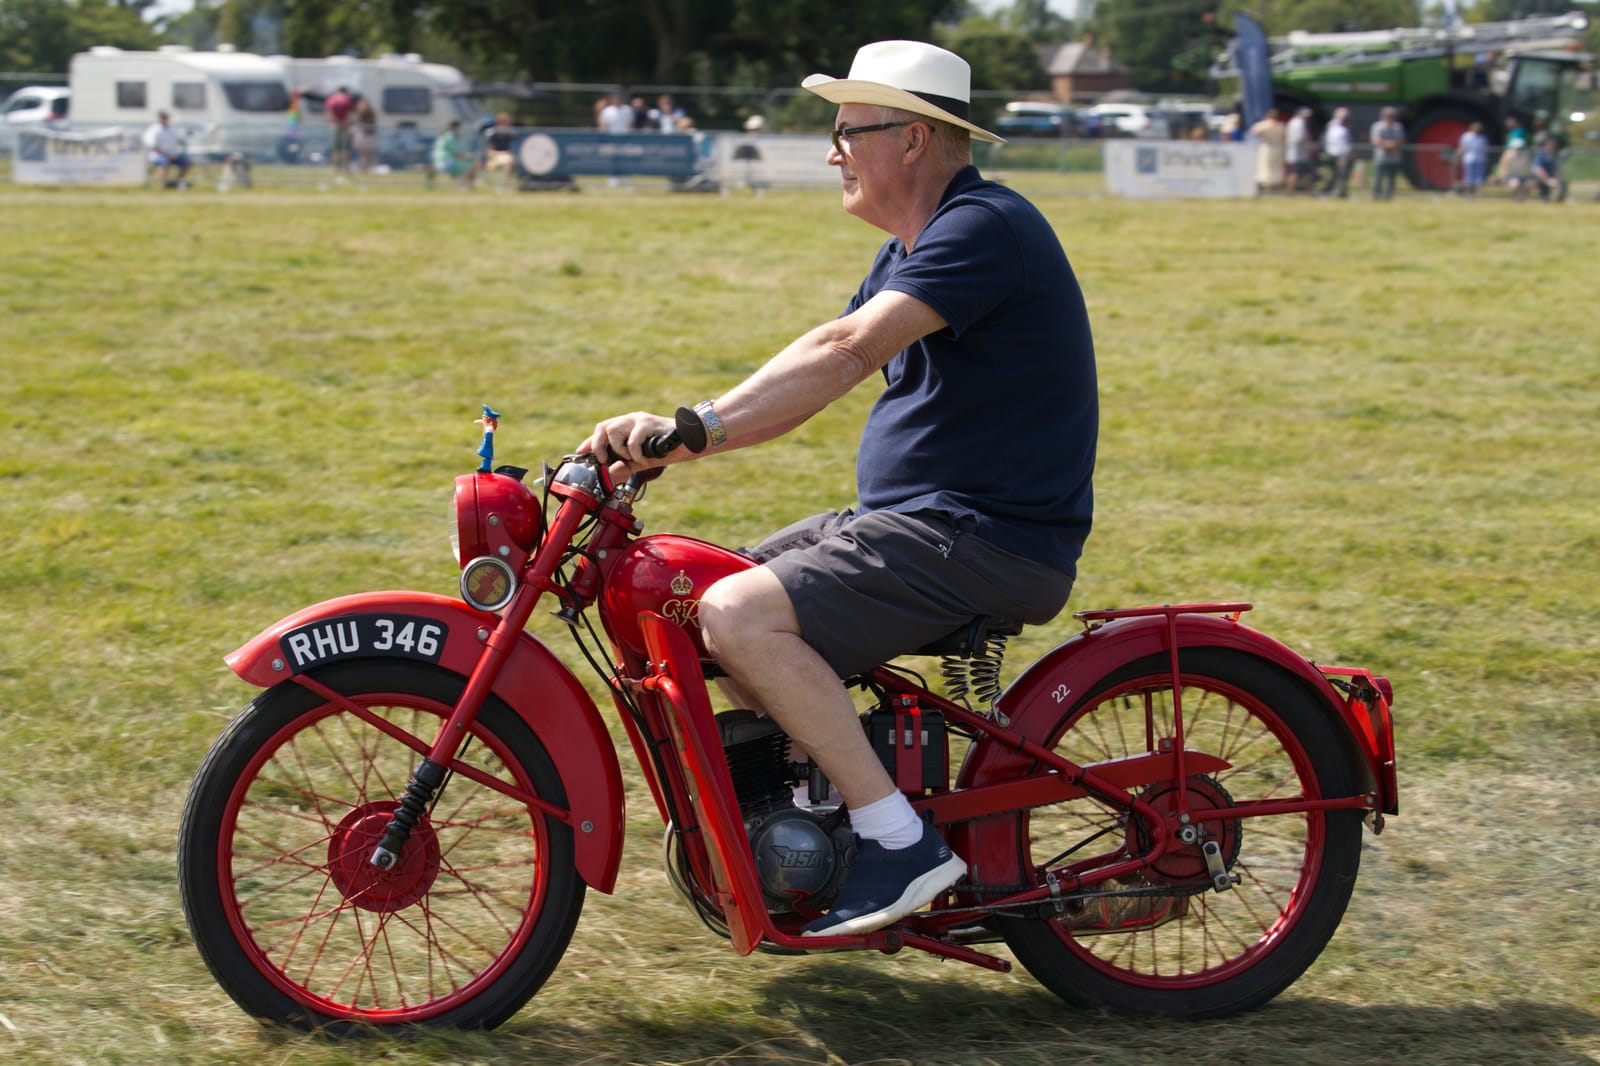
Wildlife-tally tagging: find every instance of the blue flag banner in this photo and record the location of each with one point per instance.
(1253, 60)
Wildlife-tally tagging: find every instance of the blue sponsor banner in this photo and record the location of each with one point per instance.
(565, 153)
(1254, 62)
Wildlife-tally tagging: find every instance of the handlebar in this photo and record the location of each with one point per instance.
(689, 431)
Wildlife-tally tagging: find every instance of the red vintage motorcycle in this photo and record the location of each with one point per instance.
(1162, 815)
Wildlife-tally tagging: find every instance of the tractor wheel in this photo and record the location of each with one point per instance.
(1431, 155)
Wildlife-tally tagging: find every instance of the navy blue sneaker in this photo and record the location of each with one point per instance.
(885, 886)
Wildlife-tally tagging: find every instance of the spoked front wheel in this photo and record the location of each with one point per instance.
(295, 923)
(1164, 941)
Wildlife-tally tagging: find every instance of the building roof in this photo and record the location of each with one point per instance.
(1077, 58)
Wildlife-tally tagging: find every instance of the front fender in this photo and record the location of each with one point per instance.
(1036, 701)
(445, 631)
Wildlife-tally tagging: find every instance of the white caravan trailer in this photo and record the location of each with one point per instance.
(415, 101)
(222, 101)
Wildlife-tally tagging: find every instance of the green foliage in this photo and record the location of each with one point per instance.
(661, 42)
(1034, 19)
(1145, 36)
(43, 35)
(1000, 58)
(765, 42)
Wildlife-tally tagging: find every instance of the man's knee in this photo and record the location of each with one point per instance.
(744, 607)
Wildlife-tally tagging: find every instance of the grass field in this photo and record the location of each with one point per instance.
(1376, 422)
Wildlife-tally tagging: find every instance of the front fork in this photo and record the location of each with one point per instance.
(433, 771)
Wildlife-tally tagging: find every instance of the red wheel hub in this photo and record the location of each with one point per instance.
(363, 884)
(1187, 863)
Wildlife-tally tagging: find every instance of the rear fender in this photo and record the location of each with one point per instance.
(534, 683)
(1036, 701)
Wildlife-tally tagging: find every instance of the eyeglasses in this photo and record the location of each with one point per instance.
(842, 136)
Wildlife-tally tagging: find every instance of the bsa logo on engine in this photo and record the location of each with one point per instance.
(797, 858)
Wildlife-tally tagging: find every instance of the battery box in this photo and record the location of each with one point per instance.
(911, 743)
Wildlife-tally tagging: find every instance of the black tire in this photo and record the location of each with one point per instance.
(1187, 953)
(299, 929)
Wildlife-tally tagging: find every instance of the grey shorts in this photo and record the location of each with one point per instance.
(870, 587)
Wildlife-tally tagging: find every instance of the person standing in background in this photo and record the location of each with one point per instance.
(365, 136)
(1271, 136)
(616, 116)
(1473, 152)
(1388, 138)
(340, 106)
(1336, 143)
(668, 116)
(1516, 166)
(1299, 151)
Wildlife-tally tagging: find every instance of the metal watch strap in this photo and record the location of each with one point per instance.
(716, 435)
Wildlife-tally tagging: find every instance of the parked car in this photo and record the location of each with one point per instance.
(1037, 118)
(31, 106)
(1122, 120)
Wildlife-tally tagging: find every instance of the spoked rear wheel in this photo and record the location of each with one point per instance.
(295, 923)
(1164, 942)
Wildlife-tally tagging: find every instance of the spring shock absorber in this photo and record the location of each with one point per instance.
(976, 675)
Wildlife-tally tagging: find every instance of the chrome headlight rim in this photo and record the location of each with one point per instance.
(486, 573)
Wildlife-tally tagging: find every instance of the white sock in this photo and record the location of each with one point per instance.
(890, 821)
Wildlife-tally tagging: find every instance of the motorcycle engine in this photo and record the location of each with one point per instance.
(800, 857)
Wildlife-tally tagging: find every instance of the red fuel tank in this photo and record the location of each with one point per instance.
(667, 574)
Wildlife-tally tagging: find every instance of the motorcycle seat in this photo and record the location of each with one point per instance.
(971, 639)
(967, 642)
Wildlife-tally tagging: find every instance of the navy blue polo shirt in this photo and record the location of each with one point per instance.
(995, 417)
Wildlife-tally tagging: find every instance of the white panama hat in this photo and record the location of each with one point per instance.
(910, 75)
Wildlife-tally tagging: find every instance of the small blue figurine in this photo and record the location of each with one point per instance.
(490, 422)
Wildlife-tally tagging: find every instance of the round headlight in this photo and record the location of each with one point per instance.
(506, 502)
(495, 514)
(488, 583)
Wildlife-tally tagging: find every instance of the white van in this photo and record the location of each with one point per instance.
(415, 101)
(222, 101)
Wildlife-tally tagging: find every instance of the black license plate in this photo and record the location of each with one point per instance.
(353, 635)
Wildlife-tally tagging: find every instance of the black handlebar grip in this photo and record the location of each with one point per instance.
(658, 446)
(691, 430)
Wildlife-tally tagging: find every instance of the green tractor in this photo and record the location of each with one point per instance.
(1441, 80)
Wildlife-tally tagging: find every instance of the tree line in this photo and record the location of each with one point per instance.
(1168, 45)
